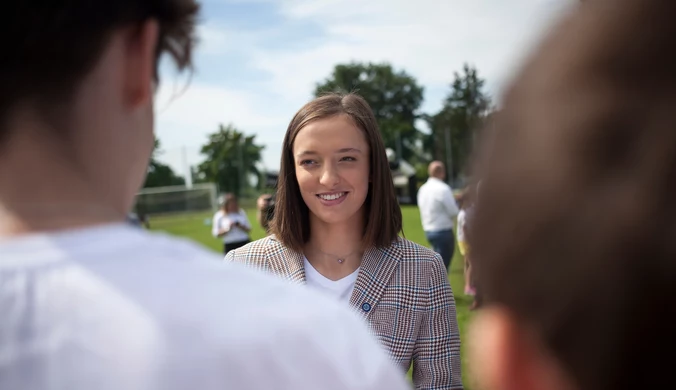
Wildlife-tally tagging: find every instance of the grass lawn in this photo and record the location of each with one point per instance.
(194, 226)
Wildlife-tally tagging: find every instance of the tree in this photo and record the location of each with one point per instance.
(230, 157)
(395, 98)
(161, 175)
(463, 112)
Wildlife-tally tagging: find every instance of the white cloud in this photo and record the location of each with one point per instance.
(430, 39)
(204, 107)
(186, 116)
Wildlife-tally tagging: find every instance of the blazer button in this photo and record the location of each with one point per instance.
(366, 307)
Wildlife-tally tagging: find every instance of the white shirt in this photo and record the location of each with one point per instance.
(340, 289)
(437, 205)
(225, 221)
(461, 225)
(115, 307)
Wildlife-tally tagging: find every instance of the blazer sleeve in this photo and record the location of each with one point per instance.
(436, 356)
(242, 256)
(229, 257)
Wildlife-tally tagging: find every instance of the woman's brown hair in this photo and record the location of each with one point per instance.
(382, 222)
(575, 226)
(228, 200)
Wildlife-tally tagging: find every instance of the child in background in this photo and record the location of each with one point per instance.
(465, 205)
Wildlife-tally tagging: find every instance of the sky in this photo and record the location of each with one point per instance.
(258, 61)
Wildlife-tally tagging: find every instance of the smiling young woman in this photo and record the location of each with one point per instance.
(336, 229)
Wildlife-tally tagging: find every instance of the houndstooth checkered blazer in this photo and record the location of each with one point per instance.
(403, 293)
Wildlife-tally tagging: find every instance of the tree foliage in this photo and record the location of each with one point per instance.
(161, 175)
(463, 112)
(395, 98)
(230, 158)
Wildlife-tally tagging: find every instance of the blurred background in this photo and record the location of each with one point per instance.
(432, 70)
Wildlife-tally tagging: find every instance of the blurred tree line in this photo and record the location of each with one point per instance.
(232, 158)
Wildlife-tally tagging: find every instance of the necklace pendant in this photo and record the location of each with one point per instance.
(341, 261)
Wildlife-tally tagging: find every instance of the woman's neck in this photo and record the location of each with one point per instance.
(335, 250)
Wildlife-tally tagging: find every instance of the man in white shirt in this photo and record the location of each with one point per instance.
(89, 302)
(438, 210)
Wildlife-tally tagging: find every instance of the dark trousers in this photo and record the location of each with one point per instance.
(443, 242)
(234, 245)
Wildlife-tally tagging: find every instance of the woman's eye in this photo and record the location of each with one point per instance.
(307, 162)
(348, 159)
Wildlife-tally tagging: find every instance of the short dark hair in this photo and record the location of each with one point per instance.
(50, 46)
(382, 222)
(575, 226)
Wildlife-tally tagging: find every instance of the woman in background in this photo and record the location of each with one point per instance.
(231, 224)
(465, 208)
(335, 229)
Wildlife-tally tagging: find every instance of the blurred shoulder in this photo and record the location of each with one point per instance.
(330, 346)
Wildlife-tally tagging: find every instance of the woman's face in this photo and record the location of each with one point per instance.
(331, 159)
(232, 206)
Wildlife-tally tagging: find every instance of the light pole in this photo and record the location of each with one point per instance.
(449, 156)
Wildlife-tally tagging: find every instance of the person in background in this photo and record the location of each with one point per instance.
(575, 229)
(466, 204)
(438, 210)
(89, 302)
(336, 228)
(231, 224)
(134, 220)
(265, 210)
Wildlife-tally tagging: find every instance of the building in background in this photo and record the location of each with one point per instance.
(403, 177)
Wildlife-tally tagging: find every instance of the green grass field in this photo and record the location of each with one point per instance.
(193, 226)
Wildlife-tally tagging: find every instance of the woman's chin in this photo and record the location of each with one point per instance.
(334, 218)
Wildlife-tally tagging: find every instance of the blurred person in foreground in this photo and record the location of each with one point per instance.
(575, 229)
(335, 229)
(438, 210)
(89, 302)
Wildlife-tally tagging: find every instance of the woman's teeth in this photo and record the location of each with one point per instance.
(332, 196)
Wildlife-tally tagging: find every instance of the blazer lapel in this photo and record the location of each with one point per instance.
(286, 263)
(376, 270)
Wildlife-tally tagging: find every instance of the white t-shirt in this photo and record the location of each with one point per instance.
(338, 289)
(114, 307)
(223, 220)
(437, 205)
(461, 225)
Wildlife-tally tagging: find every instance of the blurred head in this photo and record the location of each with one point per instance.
(468, 196)
(334, 170)
(436, 170)
(574, 237)
(230, 204)
(79, 79)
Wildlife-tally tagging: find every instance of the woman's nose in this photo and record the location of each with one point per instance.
(330, 177)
